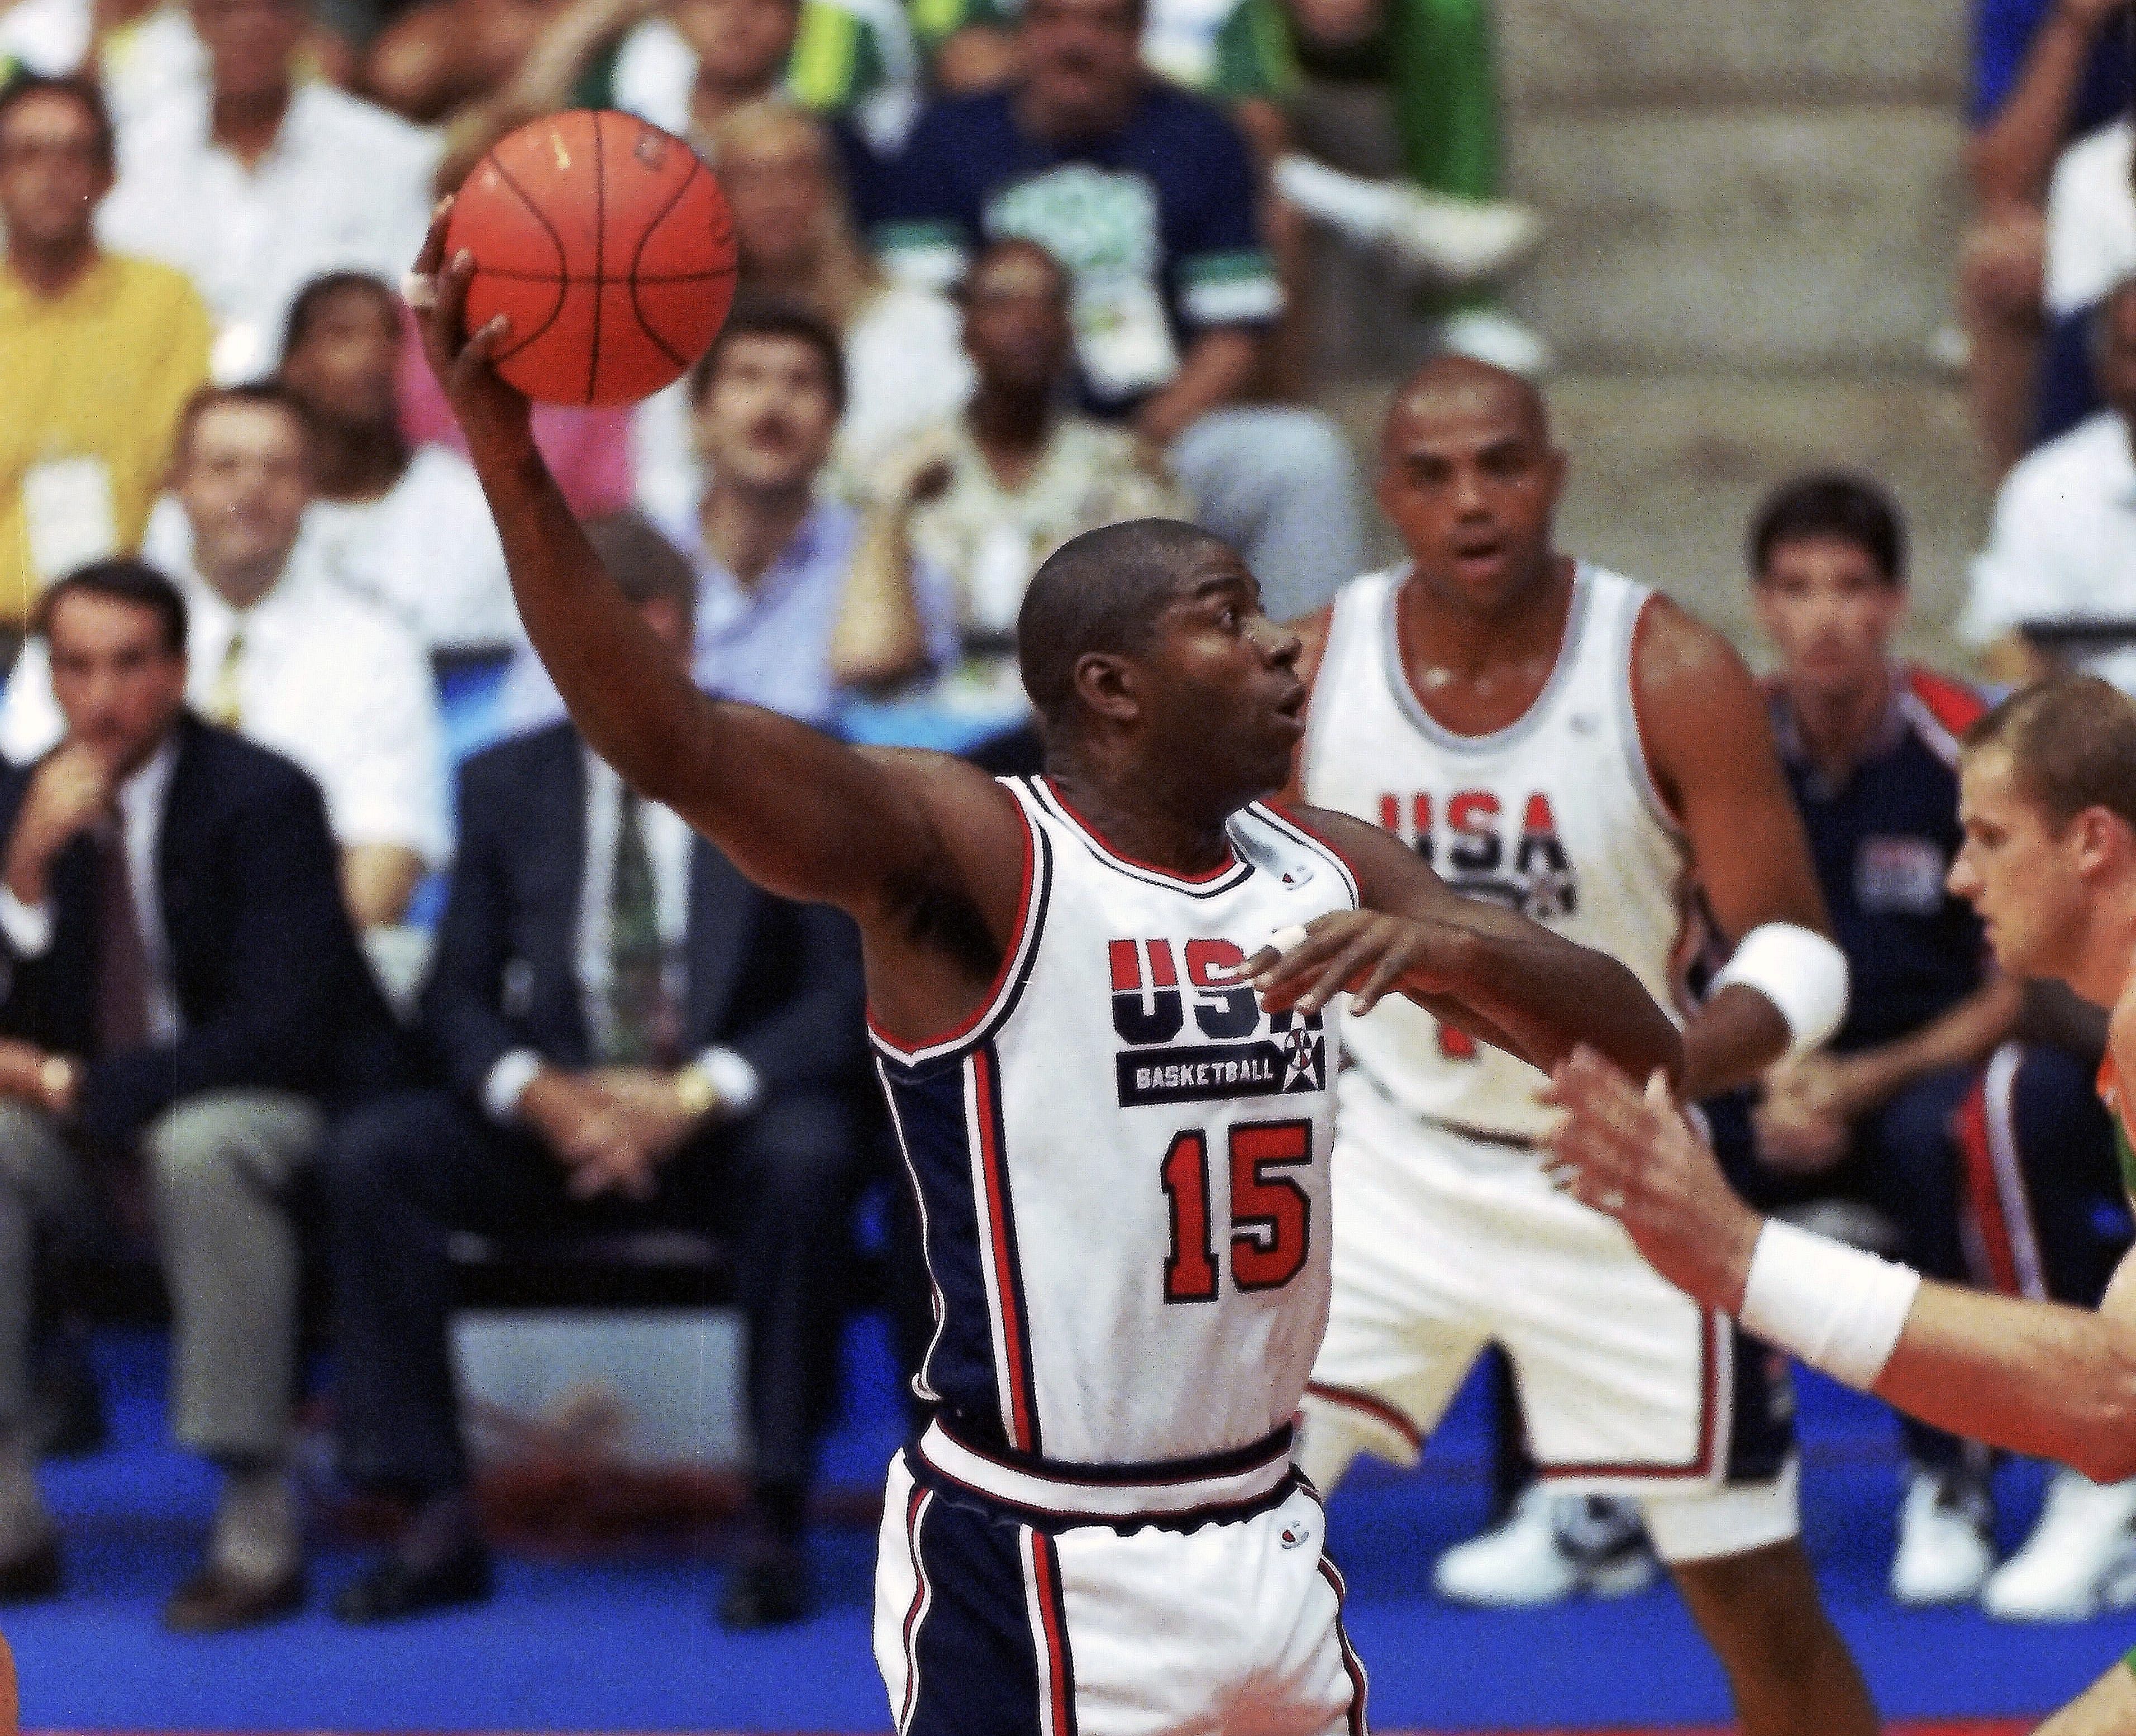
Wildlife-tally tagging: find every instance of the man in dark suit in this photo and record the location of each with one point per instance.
(634, 1035)
(181, 997)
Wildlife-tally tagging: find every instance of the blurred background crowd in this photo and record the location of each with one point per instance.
(366, 972)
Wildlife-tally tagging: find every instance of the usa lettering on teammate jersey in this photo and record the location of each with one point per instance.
(1488, 844)
(1555, 815)
(1203, 1037)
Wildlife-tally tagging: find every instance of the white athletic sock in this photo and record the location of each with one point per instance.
(1364, 211)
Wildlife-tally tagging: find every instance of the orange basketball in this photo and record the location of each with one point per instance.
(608, 245)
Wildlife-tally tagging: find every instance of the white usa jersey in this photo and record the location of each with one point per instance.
(1555, 815)
(1121, 1160)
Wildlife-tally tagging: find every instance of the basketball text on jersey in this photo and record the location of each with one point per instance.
(1476, 845)
(1203, 1037)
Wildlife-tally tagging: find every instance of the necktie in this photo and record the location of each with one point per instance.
(122, 961)
(643, 1026)
(224, 704)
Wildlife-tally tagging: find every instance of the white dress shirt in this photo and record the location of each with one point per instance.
(345, 186)
(143, 799)
(669, 843)
(325, 677)
(427, 552)
(2091, 220)
(2064, 544)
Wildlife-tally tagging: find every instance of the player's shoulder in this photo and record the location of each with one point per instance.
(1673, 650)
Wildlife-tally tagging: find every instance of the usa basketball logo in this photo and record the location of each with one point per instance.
(1196, 1034)
(1473, 843)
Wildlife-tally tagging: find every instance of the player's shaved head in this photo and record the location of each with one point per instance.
(1460, 388)
(1103, 592)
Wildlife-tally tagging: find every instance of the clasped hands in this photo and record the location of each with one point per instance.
(611, 1127)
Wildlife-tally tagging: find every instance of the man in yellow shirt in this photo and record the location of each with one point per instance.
(99, 353)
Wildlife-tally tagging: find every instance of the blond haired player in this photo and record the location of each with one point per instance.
(2048, 802)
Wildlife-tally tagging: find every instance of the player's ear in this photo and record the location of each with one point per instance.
(1108, 686)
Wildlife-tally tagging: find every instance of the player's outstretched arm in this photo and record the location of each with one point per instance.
(1507, 981)
(1708, 741)
(2034, 1377)
(882, 835)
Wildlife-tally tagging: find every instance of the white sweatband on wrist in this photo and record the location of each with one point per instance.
(1832, 1306)
(1801, 972)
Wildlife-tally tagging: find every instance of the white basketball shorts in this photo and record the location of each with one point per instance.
(1020, 1602)
(1446, 1244)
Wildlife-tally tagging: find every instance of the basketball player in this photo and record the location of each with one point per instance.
(1562, 741)
(1112, 1092)
(2047, 798)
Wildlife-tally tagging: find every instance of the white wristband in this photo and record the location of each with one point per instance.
(1832, 1306)
(1801, 972)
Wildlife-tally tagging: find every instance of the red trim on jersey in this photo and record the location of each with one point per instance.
(1053, 1620)
(1010, 953)
(1704, 1459)
(916, 1504)
(1953, 703)
(1374, 1407)
(1352, 1666)
(1981, 1191)
(1022, 1419)
(1231, 858)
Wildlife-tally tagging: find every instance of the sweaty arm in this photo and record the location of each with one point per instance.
(924, 851)
(1709, 744)
(1505, 980)
(2034, 1377)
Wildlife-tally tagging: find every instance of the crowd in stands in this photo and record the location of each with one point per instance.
(271, 991)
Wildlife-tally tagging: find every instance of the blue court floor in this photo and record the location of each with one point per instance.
(627, 1643)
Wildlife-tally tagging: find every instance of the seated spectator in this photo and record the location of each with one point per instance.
(795, 245)
(1871, 748)
(1148, 195)
(260, 184)
(2090, 247)
(2056, 584)
(284, 653)
(686, 64)
(683, 1050)
(97, 352)
(1443, 221)
(436, 58)
(407, 528)
(183, 1001)
(772, 555)
(986, 495)
(137, 51)
(2044, 72)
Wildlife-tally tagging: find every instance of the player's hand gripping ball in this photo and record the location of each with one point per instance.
(608, 245)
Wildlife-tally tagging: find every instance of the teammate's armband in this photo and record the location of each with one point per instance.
(1798, 970)
(1833, 1307)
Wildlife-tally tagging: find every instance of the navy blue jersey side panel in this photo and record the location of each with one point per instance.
(977, 1656)
(929, 1109)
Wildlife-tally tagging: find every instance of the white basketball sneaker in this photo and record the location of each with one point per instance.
(1538, 1556)
(2080, 1558)
(1946, 1541)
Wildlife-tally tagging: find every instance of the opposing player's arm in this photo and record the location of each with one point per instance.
(1505, 980)
(2034, 1377)
(926, 852)
(1708, 743)
(1312, 634)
